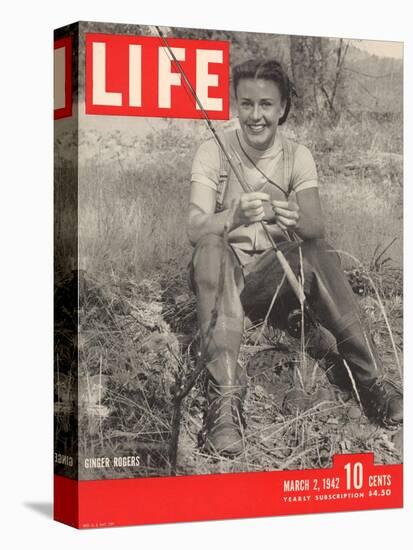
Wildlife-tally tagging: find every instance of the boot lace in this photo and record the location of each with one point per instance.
(225, 408)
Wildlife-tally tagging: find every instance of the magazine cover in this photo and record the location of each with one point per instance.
(228, 274)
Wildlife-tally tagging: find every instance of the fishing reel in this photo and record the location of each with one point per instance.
(295, 322)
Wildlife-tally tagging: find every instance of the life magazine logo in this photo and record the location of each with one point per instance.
(145, 76)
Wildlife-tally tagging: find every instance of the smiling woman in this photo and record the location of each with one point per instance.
(226, 226)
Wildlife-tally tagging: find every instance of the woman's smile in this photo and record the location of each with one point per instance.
(256, 128)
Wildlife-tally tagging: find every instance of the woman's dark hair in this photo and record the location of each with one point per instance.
(268, 69)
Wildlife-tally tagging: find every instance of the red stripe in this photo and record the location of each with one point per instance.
(106, 503)
(66, 111)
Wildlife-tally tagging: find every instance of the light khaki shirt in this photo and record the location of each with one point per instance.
(206, 167)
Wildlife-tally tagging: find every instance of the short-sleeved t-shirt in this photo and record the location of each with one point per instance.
(206, 168)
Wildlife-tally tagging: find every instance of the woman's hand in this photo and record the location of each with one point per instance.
(287, 214)
(250, 208)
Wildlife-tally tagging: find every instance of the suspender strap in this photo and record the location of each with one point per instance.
(224, 172)
(288, 158)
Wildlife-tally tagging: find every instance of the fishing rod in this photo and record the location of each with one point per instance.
(292, 279)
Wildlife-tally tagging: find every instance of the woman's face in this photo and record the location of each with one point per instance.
(259, 107)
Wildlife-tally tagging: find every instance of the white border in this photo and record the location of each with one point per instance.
(26, 269)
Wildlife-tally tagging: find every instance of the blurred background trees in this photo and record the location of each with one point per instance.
(333, 77)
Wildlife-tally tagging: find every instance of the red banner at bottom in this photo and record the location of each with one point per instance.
(353, 483)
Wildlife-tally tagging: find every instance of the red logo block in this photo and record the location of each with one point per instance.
(137, 76)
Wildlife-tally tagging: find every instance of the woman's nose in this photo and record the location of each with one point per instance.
(256, 113)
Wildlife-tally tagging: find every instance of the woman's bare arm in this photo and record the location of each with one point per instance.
(311, 223)
(304, 215)
(202, 219)
(201, 215)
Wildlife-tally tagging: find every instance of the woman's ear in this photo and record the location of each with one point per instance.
(284, 107)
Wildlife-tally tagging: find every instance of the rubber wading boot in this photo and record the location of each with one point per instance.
(382, 401)
(216, 278)
(360, 372)
(224, 423)
(321, 345)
